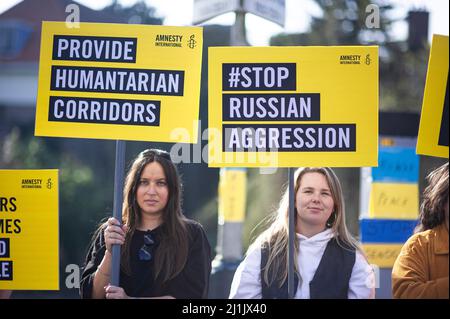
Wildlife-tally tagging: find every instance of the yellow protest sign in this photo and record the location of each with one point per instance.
(114, 81)
(394, 200)
(382, 255)
(293, 106)
(232, 192)
(433, 130)
(29, 256)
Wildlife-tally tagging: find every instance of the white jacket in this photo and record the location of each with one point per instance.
(247, 278)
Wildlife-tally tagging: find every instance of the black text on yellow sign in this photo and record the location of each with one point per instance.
(29, 256)
(433, 130)
(267, 105)
(128, 82)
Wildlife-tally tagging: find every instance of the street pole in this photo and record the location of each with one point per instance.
(231, 217)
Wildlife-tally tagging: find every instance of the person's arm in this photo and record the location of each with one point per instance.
(362, 280)
(96, 273)
(247, 278)
(410, 274)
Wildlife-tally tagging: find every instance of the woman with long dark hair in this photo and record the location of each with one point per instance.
(163, 254)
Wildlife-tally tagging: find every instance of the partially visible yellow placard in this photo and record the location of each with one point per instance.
(29, 230)
(433, 129)
(119, 81)
(394, 201)
(382, 255)
(232, 195)
(293, 106)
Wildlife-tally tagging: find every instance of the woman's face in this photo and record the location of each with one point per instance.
(314, 201)
(153, 191)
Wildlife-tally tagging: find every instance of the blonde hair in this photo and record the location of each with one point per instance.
(276, 238)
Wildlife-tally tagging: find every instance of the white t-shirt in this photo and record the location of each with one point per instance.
(247, 278)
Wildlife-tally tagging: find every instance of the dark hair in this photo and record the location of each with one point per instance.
(435, 198)
(171, 254)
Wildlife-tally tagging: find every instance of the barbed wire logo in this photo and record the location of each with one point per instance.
(192, 43)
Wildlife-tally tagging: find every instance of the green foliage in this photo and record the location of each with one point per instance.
(343, 22)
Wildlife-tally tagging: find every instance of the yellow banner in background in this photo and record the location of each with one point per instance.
(119, 81)
(232, 195)
(382, 255)
(433, 130)
(293, 106)
(29, 230)
(394, 200)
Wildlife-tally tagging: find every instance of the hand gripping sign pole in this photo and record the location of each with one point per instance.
(119, 170)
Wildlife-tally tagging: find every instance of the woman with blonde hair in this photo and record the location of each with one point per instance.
(328, 260)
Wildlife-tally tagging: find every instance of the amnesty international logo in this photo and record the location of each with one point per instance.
(49, 183)
(368, 59)
(191, 42)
